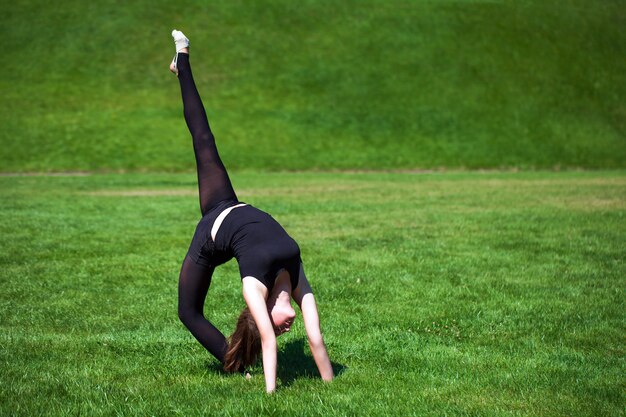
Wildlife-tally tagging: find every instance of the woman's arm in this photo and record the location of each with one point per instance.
(254, 293)
(303, 295)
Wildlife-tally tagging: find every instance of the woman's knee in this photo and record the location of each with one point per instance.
(187, 315)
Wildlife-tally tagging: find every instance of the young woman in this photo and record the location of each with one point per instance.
(269, 259)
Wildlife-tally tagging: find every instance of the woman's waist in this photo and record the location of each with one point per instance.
(221, 217)
(247, 223)
(233, 220)
(209, 218)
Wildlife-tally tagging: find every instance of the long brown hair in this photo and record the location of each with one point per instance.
(244, 345)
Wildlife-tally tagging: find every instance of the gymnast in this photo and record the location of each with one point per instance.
(269, 259)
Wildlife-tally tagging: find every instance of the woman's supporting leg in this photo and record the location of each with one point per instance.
(213, 180)
(192, 289)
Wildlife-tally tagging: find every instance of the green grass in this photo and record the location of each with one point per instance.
(457, 293)
(316, 84)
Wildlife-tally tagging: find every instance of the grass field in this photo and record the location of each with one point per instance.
(451, 293)
(316, 84)
(494, 293)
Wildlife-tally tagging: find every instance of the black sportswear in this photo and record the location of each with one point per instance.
(258, 242)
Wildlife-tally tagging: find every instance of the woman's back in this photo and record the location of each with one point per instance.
(260, 244)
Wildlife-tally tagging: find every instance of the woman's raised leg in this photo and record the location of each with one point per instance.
(213, 181)
(214, 186)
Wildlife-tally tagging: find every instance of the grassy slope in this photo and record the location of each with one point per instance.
(316, 84)
(475, 294)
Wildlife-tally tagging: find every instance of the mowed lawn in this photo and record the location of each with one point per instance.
(441, 293)
(316, 84)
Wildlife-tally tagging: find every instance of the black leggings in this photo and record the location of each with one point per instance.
(214, 186)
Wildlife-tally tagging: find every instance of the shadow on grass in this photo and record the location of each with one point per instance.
(293, 363)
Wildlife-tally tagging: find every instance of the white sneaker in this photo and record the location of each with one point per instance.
(181, 42)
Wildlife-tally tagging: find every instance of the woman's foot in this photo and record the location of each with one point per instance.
(182, 46)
